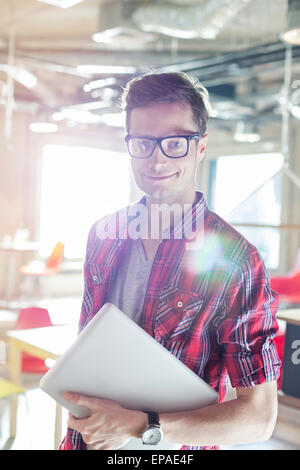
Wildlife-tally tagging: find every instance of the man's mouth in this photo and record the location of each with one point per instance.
(160, 177)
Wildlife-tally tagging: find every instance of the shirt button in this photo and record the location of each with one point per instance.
(179, 304)
(95, 278)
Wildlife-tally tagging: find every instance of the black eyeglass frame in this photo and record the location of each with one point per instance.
(158, 140)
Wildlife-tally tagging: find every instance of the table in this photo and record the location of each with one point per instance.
(48, 342)
(290, 316)
(12, 248)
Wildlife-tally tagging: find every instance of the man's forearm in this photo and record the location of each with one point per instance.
(233, 422)
(251, 417)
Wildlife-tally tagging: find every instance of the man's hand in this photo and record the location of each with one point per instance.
(110, 426)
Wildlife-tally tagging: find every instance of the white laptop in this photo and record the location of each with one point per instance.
(114, 358)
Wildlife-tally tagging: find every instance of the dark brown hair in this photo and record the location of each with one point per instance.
(156, 88)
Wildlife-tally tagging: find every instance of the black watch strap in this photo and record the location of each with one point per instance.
(153, 418)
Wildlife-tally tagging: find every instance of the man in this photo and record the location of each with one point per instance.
(206, 299)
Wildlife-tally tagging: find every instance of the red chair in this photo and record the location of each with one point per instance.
(279, 342)
(48, 268)
(288, 287)
(36, 269)
(33, 317)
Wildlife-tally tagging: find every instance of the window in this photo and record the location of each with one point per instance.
(79, 186)
(246, 189)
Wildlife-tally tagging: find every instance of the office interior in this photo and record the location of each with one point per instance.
(64, 163)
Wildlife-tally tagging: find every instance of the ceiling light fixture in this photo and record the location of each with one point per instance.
(57, 116)
(89, 106)
(104, 82)
(108, 35)
(61, 3)
(295, 110)
(23, 76)
(106, 69)
(43, 127)
(114, 119)
(81, 115)
(291, 34)
(106, 94)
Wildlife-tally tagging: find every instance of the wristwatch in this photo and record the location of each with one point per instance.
(152, 434)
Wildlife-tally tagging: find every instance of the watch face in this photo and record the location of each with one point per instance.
(152, 436)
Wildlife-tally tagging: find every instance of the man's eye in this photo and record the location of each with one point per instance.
(175, 144)
(143, 144)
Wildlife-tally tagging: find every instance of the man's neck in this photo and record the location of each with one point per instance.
(189, 198)
(163, 214)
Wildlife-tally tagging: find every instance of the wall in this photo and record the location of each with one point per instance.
(15, 167)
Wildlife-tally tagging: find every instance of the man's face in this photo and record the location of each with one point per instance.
(166, 179)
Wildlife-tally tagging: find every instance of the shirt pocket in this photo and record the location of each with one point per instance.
(96, 279)
(96, 274)
(177, 311)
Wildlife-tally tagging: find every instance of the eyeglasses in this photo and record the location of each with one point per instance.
(172, 146)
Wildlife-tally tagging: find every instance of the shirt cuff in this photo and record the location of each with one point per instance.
(258, 368)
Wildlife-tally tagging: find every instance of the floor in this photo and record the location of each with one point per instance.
(35, 426)
(36, 413)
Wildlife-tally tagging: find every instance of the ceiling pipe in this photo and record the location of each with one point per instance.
(115, 23)
(232, 66)
(206, 19)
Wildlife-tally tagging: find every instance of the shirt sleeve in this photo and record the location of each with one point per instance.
(245, 334)
(73, 440)
(87, 300)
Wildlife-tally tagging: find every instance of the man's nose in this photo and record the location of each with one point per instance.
(158, 158)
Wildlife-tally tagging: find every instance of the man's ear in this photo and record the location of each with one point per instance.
(202, 146)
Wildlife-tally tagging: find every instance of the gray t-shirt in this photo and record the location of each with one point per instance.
(128, 289)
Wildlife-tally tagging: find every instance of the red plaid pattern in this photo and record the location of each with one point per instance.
(213, 307)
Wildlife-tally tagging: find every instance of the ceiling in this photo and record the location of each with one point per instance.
(242, 63)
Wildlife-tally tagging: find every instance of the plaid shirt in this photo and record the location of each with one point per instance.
(211, 307)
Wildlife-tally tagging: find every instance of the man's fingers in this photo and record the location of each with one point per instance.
(89, 402)
(76, 424)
